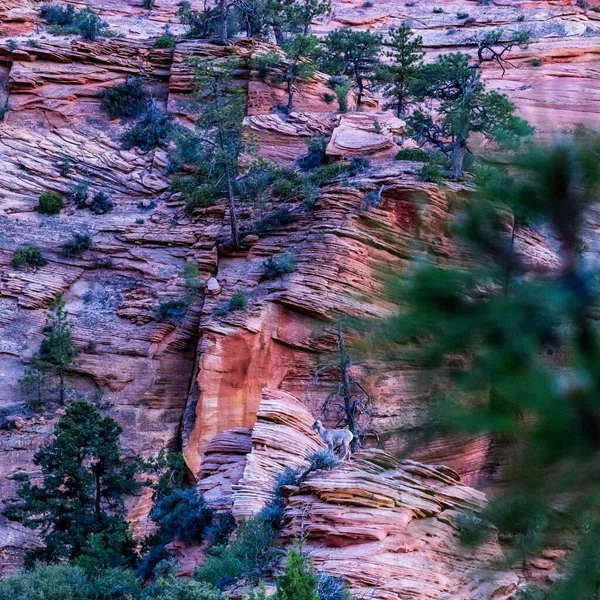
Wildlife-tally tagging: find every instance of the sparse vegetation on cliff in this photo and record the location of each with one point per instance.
(50, 203)
(69, 21)
(28, 257)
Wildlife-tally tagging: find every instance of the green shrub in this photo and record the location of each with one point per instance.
(58, 15)
(462, 15)
(438, 10)
(432, 173)
(315, 154)
(79, 193)
(323, 460)
(174, 588)
(277, 218)
(327, 173)
(249, 556)
(67, 582)
(66, 21)
(182, 515)
(50, 203)
(171, 311)
(413, 154)
(101, 203)
(127, 100)
(79, 243)
(536, 62)
(28, 257)
(239, 301)
(275, 266)
(153, 129)
(298, 580)
(195, 194)
(329, 98)
(165, 41)
(359, 164)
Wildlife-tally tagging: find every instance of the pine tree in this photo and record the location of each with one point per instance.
(220, 129)
(463, 106)
(79, 505)
(405, 54)
(297, 582)
(57, 352)
(514, 348)
(355, 54)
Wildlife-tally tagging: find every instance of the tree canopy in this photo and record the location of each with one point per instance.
(79, 504)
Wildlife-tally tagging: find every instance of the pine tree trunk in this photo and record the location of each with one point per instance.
(61, 391)
(224, 24)
(235, 233)
(458, 159)
(290, 91)
(278, 34)
(345, 365)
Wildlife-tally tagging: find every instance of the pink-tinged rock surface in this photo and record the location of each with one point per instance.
(387, 527)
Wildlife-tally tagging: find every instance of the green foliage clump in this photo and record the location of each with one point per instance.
(432, 173)
(77, 245)
(354, 54)
(315, 154)
(326, 174)
(50, 203)
(276, 266)
(275, 219)
(298, 581)
(151, 130)
(165, 41)
(127, 100)
(69, 582)
(323, 460)
(182, 515)
(101, 203)
(195, 194)
(171, 311)
(79, 504)
(67, 20)
(248, 556)
(413, 154)
(28, 257)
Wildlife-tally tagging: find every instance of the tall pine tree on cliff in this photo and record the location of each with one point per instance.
(463, 106)
(79, 505)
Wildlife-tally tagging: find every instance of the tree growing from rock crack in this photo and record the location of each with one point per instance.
(79, 505)
(56, 356)
(405, 54)
(463, 106)
(356, 55)
(220, 129)
(349, 402)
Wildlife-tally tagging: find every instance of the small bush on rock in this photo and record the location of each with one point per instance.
(323, 460)
(171, 311)
(28, 257)
(153, 129)
(182, 515)
(101, 203)
(279, 265)
(67, 21)
(127, 100)
(165, 41)
(50, 203)
(79, 243)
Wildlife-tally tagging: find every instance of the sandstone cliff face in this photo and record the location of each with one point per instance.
(187, 383)
(389, 528)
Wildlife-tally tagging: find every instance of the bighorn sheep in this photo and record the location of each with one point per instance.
(335, 438)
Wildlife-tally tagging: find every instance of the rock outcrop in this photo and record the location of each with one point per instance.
(389, 528)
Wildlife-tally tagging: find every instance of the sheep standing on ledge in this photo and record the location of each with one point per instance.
(335, 438)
